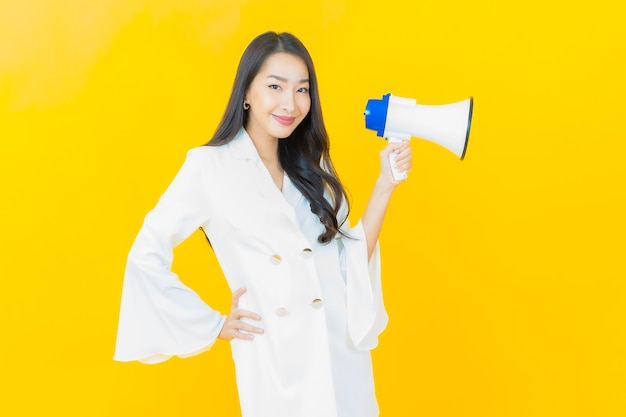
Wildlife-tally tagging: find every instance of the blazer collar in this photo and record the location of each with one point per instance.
(287, 201)
(242, 146)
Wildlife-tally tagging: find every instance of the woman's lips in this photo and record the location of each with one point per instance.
(284, 120)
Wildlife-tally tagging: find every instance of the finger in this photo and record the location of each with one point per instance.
(404, 168)
(403, 163)
(244, 336)
(242, 330)
(243, 326)
(238, 293)
(230, 332)
(240, 314)
(396, 155)
(401, 146)
(403, 150)
(404, 156)
(393, 147)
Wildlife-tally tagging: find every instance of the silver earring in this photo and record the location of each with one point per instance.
(246, 106)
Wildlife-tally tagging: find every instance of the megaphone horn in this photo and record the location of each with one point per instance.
(399, 118)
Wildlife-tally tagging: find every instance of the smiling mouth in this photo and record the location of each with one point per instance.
(284, 120)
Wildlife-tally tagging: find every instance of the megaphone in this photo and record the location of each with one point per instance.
(399, 118)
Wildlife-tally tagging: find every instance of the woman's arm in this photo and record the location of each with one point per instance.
(159, 315)
(374, 214)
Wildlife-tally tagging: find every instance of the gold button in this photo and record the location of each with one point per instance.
(276, 259)
(317, 303)
(281, 311)
(307, 253)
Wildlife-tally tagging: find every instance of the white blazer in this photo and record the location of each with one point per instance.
(264, 240)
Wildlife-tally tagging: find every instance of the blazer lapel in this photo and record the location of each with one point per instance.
(256, 173)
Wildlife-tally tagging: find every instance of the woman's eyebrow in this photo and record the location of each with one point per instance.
(283, 79)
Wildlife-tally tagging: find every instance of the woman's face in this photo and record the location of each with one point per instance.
(278, 97)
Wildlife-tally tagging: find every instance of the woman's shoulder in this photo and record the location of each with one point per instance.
(204, 153)
(200, 160)
(209, 160)
(203, 150)
(240, 147)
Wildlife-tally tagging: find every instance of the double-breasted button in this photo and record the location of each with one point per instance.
(275, 259)
(281, 311)
(307, 253)
(317, 303)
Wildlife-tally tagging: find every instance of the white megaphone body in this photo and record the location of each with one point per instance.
(399, 118)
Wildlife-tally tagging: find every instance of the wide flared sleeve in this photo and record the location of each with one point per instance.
(159, 315)
(367, 317)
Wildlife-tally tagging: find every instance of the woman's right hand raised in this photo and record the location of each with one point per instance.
(234, 327)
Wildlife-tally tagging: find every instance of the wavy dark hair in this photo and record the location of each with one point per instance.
(304, 155)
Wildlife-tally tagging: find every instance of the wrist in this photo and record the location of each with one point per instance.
(384, 185)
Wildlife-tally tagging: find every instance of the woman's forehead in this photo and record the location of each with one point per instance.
(285, 67)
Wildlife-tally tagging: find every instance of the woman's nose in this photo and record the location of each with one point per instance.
(288, 103)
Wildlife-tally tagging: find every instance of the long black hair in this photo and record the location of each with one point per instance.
(304, 155)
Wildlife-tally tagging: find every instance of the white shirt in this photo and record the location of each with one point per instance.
(321, 305)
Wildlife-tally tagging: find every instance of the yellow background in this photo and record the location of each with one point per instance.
(503, 274)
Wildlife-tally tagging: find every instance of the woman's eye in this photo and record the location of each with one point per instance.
(303, 90)
(274, 87)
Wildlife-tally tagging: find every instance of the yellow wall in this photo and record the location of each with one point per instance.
(504, 273)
